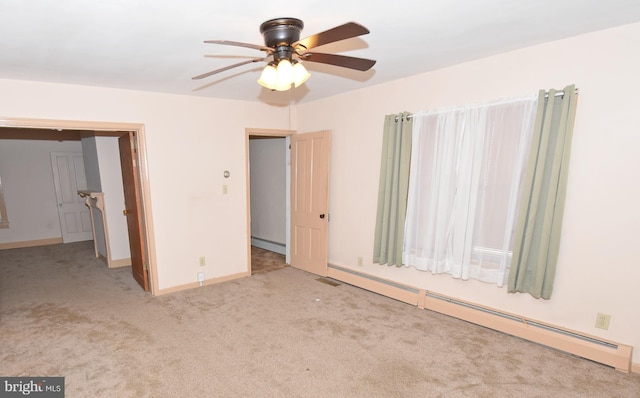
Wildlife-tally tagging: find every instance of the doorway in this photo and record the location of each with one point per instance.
(268, 199)
(35, 129)
(307, 182)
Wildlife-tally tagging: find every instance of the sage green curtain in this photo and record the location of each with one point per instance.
(393, 188)
(539, 220)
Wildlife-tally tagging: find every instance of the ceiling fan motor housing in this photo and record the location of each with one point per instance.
(281, 32)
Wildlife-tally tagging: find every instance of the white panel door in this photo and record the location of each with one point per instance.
(68, 178)
(310, 201)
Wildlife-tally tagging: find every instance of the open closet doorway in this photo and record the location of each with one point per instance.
(142, 256)
(306, 198)
(268, 191)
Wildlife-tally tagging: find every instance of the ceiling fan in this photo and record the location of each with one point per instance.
(285, 51)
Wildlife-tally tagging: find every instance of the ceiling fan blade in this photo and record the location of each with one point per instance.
(213, 72)
(240, 44)
(342, 32)
(361, 64)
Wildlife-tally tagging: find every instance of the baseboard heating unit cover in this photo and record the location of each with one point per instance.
(580, 344)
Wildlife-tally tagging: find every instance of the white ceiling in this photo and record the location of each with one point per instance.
(157, 45)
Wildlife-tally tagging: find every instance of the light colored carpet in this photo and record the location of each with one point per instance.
(277, 334)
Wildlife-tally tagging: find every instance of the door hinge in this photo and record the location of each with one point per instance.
(145, 266)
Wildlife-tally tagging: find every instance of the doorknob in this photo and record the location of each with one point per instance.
(125, 212)
(322, 215)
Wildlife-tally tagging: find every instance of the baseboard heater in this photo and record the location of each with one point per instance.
(585, 346)
(593, 348)
(265, 244)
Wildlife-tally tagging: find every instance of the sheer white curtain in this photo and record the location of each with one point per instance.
(466, 166)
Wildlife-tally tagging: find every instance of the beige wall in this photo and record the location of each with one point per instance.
(190, 142)
(598, 268)
(108, 160)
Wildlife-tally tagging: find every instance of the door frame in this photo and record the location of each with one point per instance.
(275, 133)
(111, 129)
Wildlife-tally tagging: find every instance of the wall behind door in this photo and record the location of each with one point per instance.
(268, 192)
(104, 174)
(27, 180)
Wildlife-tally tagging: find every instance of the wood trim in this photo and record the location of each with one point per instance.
(52, 124)
(31, 133)
(635, 368)
(145, 191)
(207, 282)
(123, 262)
(31, 243)
(268, 132)
(4, 217)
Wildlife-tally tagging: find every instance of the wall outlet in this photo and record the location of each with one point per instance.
(201, 277)
(602, 321)
(202, 262)
(359, 261)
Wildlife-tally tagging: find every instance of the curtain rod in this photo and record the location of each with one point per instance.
(409, 117)
(558, 93)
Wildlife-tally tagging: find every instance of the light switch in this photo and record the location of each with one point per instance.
(224, 189)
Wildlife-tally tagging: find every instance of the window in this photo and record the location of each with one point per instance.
(466, 166)
(4, 219)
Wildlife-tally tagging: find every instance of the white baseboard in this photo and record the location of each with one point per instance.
(31, 243)
(123, 262)
(207, 282)
(275, 247)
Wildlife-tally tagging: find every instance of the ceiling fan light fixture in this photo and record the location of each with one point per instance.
(284, 77)
(300, 74)
(268, 77)
(281, 78)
